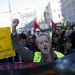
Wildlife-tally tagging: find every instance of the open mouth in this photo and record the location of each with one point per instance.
(45, 48)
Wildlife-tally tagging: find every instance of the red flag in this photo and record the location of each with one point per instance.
(54, 25)
(36, 26)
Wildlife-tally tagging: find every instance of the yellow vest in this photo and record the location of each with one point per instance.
(51, 35)
(38, 56)
(59, 55)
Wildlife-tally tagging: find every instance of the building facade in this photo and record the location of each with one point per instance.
(56, 11)
(47, 14)
(53, 12)
(68, 10)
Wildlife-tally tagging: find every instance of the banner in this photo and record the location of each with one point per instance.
(6, 49)
(27, 69)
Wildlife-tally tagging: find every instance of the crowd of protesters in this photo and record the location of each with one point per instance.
(42, 48)
(64, 39)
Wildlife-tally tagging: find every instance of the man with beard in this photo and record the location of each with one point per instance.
(44, 53)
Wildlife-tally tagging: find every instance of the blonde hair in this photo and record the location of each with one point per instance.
(41, 34)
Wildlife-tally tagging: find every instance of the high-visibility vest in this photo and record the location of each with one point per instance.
(65, 23)
(37, 30)
(59, 54)
(38, 56)
(51, 35)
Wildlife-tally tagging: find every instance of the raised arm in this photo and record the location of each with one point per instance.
(25, 53)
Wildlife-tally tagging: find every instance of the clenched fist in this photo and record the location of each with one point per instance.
(15, 22)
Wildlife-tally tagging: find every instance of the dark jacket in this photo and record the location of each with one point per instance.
(72, 37)
(24, 52)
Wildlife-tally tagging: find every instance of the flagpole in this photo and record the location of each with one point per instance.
(10, 17)
(10, 9)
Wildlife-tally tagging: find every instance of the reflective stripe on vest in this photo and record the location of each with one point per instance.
(38, 56)
(59, 55)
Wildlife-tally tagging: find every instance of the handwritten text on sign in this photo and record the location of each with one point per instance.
(6, 49)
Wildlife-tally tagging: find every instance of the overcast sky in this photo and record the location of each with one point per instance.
(18, 5)
(22, 4)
